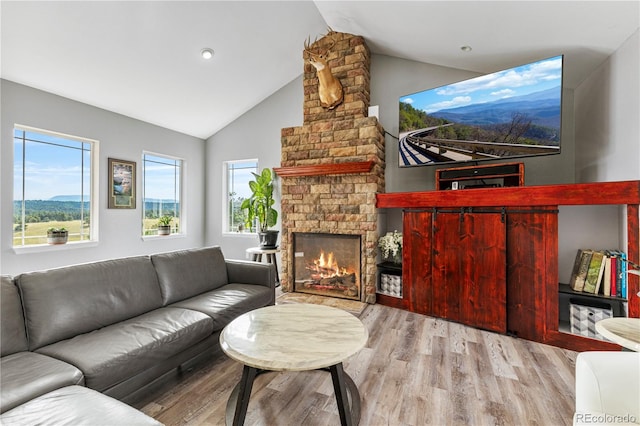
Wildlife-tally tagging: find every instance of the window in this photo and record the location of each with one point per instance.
(162, 193)
(53, 177)
(237, 176)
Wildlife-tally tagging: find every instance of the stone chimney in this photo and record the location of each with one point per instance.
(333, 165)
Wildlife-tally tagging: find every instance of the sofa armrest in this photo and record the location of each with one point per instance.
(248, 272)
(607, 383)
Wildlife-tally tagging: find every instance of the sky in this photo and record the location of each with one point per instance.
(518, 81)
(240, 179)
(55, 168)
(51, 169)
(161, 176)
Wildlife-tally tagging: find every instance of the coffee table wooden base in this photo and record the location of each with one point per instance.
(346, 391)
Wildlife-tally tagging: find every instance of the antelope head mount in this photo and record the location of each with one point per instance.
(329, 88)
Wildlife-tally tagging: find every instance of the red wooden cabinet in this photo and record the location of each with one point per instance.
(532, 262)
(489, 257)
(469, 264)
(416, 264)
(454, 266)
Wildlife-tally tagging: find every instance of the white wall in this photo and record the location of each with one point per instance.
(120, 137)
(608, 118)
(254, 135)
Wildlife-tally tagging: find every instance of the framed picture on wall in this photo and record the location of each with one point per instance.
(122, 184)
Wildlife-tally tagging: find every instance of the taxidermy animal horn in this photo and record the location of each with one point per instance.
(329, 88)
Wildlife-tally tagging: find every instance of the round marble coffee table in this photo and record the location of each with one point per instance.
(294, 337)
(621, 330)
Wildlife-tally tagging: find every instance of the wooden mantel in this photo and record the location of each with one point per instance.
(325, 169)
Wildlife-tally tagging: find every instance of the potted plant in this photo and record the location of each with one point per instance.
(259, 208)
(391, 247)
(164, 225)
(57, 235)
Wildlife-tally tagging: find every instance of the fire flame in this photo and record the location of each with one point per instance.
(328, 267)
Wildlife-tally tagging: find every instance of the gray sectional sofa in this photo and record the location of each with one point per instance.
(100, 332)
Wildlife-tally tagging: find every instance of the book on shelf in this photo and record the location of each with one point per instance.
(606, 276)
(595, 272)
(580, 269)
(623, 280)
(600, 272)
(614, 271)
(621, 274)
(618, 274)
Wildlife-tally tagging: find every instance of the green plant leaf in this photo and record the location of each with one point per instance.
(272, 218)
(259, 205)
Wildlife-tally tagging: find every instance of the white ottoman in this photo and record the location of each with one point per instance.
(607, 388)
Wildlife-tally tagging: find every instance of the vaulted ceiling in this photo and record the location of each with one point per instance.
(142, 58)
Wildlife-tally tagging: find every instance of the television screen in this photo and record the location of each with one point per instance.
(507, 114)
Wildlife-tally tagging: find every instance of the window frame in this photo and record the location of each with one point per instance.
(225, 196)
(94, 192)
(182, 228)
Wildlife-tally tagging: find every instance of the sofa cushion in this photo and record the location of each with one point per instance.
(76, 405)
(226, 303)
(186, 273)
(117, 352)
(250, 272)
(64, 302)
(12, 333)
(27, 375)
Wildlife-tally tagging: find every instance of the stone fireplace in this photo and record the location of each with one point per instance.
(331, 169)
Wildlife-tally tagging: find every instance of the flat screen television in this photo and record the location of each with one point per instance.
(508, 114)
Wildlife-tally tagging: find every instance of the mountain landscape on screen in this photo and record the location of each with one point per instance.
(508, 114)
(543, 108)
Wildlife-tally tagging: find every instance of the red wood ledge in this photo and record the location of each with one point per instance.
(627, 192)
(325, 169)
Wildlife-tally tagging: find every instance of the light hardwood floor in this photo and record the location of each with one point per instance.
(415, 370)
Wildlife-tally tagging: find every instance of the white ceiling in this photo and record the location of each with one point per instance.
(142, 59)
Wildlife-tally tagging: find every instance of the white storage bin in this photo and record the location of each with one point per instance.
(583, 318)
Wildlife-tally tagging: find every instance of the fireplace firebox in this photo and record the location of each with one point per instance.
(327, 264)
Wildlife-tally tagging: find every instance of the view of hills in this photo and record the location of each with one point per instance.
(69, 198)
(77, 198)
(49, 210)
(68, 207)
(543, 108)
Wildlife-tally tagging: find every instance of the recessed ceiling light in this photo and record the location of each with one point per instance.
(207, 53)
(466, 48)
